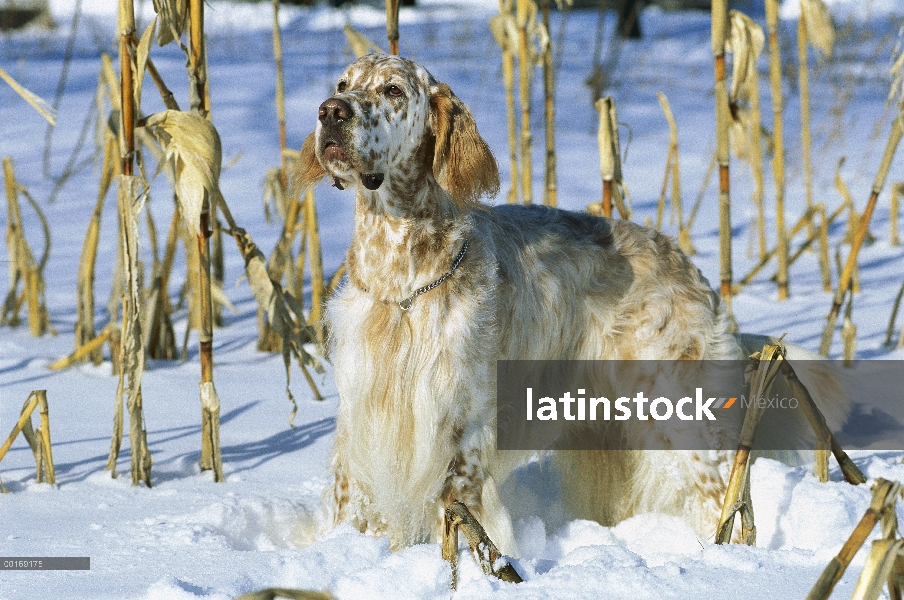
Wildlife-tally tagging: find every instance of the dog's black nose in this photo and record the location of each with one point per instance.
(334, 110)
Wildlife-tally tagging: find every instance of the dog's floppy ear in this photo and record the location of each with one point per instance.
(308, 170)
(462, 162)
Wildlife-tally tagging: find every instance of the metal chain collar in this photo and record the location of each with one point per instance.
(406, 303)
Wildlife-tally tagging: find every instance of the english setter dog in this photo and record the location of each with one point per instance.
(440, 287)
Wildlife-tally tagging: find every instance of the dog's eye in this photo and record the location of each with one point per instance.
(340, 87)
(394, 91)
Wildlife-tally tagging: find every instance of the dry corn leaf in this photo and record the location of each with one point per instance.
(36, 101)
(279, 306)
(360, 44)
(273, 191)
(897, 71)
(174, 16)
(141, 59)
(745, 41)
(818, 24)
(195, 154)
(506, 32)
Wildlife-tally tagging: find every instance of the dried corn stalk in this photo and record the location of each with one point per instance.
(820, 31)
(22, 264)
(896, 94)
(673, 169)
(769, 363)
(778, 158)
(894, 138)
(38, 440)
(897, 194)
(505, 32)
(745, 41)
(815, 27)
(392, 25)
(360, 43)
(723, 117)
(882, 507)
(614, 190)
(84, 324)
(131, 201)
(550, 198)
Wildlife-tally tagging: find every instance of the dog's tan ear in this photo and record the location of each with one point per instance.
(308, 170)
(462, 161)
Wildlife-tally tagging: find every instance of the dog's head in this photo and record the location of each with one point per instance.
(390, 119)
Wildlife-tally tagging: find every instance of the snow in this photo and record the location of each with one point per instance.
(190, 538)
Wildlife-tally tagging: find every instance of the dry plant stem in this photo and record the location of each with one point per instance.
(817, 421)
(210, 419)
(806, 140)
(161, 338)
(878, 570)
(316, 262)
(524, 79)
(756, 162)
(607, 140)
(768, 257)
(22, 261)
(89, 348)
(894, 138)
(508, 79)
(483, 549)
(894, 315)
(300, 258)
(849, 333)
(30, 404)
(821, 234)
(84, 325)
(778, 159)
(268, 340)
(884, 496)
(719, 28)
(132, 347)
(168, 99)
(607, 198)
(392, 25)
(824, 249)
(767, 368)
(549, 93)
(46, 454)
(280, 95)
(673, 167)
(897, 191)
(210, 416)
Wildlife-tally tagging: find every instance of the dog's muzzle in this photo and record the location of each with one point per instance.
(332, 114)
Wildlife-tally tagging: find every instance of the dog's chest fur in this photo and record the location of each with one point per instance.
(418, 386)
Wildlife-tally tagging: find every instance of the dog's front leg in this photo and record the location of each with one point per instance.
(468, 482)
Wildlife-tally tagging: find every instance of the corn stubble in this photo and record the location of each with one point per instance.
(38, 439)
(23, 268)
(885, 563)
(766, 365)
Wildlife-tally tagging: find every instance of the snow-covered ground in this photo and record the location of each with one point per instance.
(189, 538)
